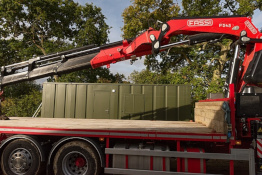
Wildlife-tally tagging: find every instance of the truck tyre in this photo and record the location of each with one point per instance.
(20, 157)
(77, 158)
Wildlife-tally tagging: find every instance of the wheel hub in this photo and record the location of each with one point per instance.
(75, 163)
(20, 161)
(80, 162)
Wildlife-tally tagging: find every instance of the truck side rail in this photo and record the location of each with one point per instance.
(236, 154)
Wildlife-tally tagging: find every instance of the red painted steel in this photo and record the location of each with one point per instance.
(231, 162)
(126, 161)
(209, 100)
(164, 164)
(193, 165)
(232, 111)
(209, 137)
(2, 137)
(181, 26)
(178, 159)
(80, 162)
(107, 155)
(232, 116)
(151, 162)
(142, 45)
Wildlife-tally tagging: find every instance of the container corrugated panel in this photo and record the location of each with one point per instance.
(116, 101)
(48, 99)
(172, 103)
(81, 99)
(70, 100)
(60, 94)
(159, 106)
(184, 106)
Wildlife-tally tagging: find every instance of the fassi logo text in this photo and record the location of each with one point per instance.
(200, 22)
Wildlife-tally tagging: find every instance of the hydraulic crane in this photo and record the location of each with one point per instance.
(245, 108)
(239, 29)
(243, 74)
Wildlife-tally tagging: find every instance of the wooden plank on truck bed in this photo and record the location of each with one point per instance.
(107, 124)
(212, 115)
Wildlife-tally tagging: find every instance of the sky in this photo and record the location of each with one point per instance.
(112, 9)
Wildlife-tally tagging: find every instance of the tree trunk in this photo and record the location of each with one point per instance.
(221, 62)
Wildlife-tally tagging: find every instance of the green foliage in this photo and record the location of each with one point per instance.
(203, 65)
(22, 106)
(39, 27)
(201, 7)
(216, 7)
(144, 14)
(194, 74)
(40, 21)
(14, 50)
(20, 89)
(196, 70)
(99, 75)
(241, 7)
(21, 99)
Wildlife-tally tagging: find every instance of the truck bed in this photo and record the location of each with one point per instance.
(109, 128)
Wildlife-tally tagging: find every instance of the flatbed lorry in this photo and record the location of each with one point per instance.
(224, 129)
(103, 130)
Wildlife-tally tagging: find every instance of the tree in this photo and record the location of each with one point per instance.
(39, 27)
(201, 8)
(50, 25)
(240, 7)
(23, 105)
(144, 14)
(40, 22)
(99, 75)
(202, 65)
(222, 52)
(21, 99)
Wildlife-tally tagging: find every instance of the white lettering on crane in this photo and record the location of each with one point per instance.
(200, 22)
(224, 25)
(251, 27)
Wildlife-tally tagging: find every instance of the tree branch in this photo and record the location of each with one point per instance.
(39, 47)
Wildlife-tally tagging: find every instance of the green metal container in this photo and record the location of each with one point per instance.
(116, 101)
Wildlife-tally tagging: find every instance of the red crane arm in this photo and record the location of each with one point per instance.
(142, 45)
(224, 25)
(151, 41)
(240, 29)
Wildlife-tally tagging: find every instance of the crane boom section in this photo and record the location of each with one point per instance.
(240, 29)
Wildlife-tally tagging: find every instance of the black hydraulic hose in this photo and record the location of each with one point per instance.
(67, 51)
(52, 56)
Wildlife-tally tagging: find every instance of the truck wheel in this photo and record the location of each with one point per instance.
(76, 158)
(20, 157)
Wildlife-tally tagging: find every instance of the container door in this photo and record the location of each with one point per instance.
(102, 105)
